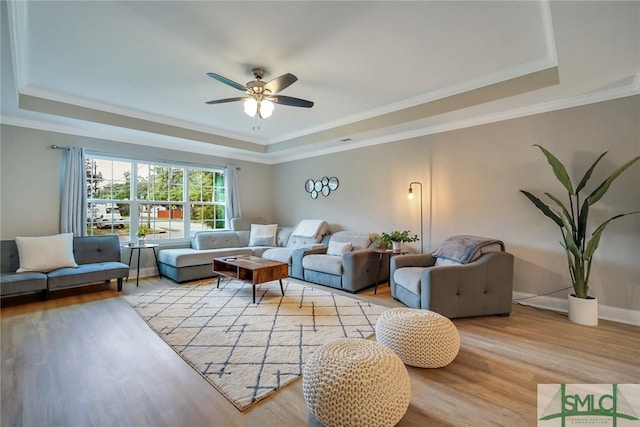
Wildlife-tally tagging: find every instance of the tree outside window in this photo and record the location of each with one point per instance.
(156, 192)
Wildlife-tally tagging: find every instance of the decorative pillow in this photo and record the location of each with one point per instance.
(263, 235)
(338, 248)
(262, 241)
(46, 253)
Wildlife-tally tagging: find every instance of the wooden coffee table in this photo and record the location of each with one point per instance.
(251, 269)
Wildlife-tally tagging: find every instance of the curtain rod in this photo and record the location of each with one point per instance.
(57, 147)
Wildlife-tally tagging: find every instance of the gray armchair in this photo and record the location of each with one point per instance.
(481, 286)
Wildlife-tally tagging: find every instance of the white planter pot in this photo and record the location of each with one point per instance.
(141, 242)
(396, 246)
(583, 311)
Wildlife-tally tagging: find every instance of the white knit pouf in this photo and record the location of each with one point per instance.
(356, 382)
(421, 338)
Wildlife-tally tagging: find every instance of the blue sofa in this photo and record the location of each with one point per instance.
(98, 259)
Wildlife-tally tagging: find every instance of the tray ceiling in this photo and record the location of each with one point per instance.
(378, 72)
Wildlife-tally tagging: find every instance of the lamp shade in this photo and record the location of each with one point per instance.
(251, 107)
(266, 108)
(421, 221)
(263, 108)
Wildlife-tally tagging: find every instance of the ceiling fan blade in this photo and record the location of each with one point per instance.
(281, 83)
(294, 102)
(221, 101)
(226, 81)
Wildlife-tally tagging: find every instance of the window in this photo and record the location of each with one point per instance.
(166, 201)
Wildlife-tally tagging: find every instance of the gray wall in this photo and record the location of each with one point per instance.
(471, 179)
(31, 181)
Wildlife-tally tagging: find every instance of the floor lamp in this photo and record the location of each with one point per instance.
(410, 198)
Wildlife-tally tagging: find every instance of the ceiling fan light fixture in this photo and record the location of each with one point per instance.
(266, 108)
(263, 109)
(256, 104)
(251, 107)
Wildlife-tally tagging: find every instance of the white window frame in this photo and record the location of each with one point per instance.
(135, 204)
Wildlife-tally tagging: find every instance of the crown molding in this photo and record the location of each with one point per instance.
(101, 107)
(431, 97)
(173, 143)
(18, 34)
(545, 107)
(137, 138)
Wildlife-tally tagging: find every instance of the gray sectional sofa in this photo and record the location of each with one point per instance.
(357, 268)
(98, 259)
(196, 262)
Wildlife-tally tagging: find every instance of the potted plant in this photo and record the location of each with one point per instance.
(573, 221)
(142, 233)
(396, 238)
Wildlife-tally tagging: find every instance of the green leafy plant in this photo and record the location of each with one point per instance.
(397, 236)
(573, 220)
(142, 232)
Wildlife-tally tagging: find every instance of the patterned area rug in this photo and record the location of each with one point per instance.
(248, 351)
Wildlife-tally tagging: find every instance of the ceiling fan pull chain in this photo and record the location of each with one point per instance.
(256, 122)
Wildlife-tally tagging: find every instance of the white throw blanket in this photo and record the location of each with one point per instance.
(311, 228)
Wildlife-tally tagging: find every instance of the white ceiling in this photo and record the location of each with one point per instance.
(135, 71)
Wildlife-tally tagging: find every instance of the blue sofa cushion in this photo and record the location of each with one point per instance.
(186, 257)
(87, 274)
(214, 240)
(90, 249)
(331, 264)
(278, 254)
(9, 258)
(19, 283)
(359, 241)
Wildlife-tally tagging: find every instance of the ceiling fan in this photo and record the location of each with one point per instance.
(262, 96)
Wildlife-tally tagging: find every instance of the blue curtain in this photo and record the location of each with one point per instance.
(232, 198)
(73, 208)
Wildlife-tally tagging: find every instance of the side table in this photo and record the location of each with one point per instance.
(136, 247)
(382, 253)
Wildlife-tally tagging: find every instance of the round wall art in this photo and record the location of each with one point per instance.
(323, 186)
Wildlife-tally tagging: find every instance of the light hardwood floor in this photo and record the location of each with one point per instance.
(85, 358)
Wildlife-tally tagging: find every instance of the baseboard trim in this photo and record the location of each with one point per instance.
(144, 272)
(605, 312)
